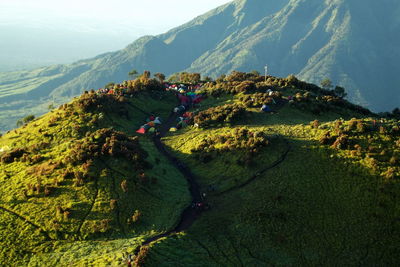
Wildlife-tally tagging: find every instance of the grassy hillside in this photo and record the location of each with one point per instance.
(313, 181)
(77, 188)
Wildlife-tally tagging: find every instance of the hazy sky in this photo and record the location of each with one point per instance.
(146, 16)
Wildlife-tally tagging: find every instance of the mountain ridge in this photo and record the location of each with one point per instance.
(312, 39)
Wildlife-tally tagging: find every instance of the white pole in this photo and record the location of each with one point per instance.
(266, 72)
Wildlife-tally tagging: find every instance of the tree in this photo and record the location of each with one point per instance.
(174, 78)
(326, 84)
(160, 77)
(208, 79)
(183, 77)
(195, 78)
(340, 91)
(109, 85)
(25, 120)
(28, 118)
(396, 113)
(146, 74)
(133, 73)
(221, 78)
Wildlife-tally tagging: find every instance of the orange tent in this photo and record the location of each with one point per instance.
(141, 131)
(151, 123)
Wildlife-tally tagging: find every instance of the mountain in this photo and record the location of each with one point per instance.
(354, 43)
(312, 181)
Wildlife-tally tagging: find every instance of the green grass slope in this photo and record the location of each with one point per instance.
(322, 191)
(313, 182)
(77, 186)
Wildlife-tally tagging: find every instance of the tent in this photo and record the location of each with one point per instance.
(184, 99)
(151, 123)
(187, 115)
(157, 121)
(146, 127)
(152, 118)
(152, 130)
(197, 99)
(266, 108)
(173, 129)
(141, 131)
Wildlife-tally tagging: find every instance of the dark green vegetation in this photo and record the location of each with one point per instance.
(354, 43)
(313, 182)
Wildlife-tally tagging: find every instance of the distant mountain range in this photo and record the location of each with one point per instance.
(352, 42)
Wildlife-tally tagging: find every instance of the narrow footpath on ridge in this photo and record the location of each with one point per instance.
(190, 214)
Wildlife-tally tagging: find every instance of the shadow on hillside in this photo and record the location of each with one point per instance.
(312, 209)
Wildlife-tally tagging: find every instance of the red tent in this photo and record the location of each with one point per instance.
(184, 99)
(197, 100)
(141, 131)
(187, 114)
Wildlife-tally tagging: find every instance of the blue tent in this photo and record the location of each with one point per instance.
(266, 108)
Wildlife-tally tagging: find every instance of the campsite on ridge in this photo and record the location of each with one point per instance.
(260, 133)
(242, 170)
(353, 43)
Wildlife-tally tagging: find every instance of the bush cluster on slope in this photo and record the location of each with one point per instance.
(249, 143)
(222, 114)
(375, 144)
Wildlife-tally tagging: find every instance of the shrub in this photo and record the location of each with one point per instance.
(394, 160)
(256, 100)
(315, 124)
(13, 155)
(136, 216)
(371, 163)
(360, 127)
(341, 142)
(389, 174)
(246, 143)
(140, 258)
(59, 212)
(353, 124)
(66, 214)
(326, 139)
(113, 204)
(227, 113)
(124, 186)
(47, 190)
(105, 143)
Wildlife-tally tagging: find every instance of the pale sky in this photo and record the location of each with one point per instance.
(146, 16)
